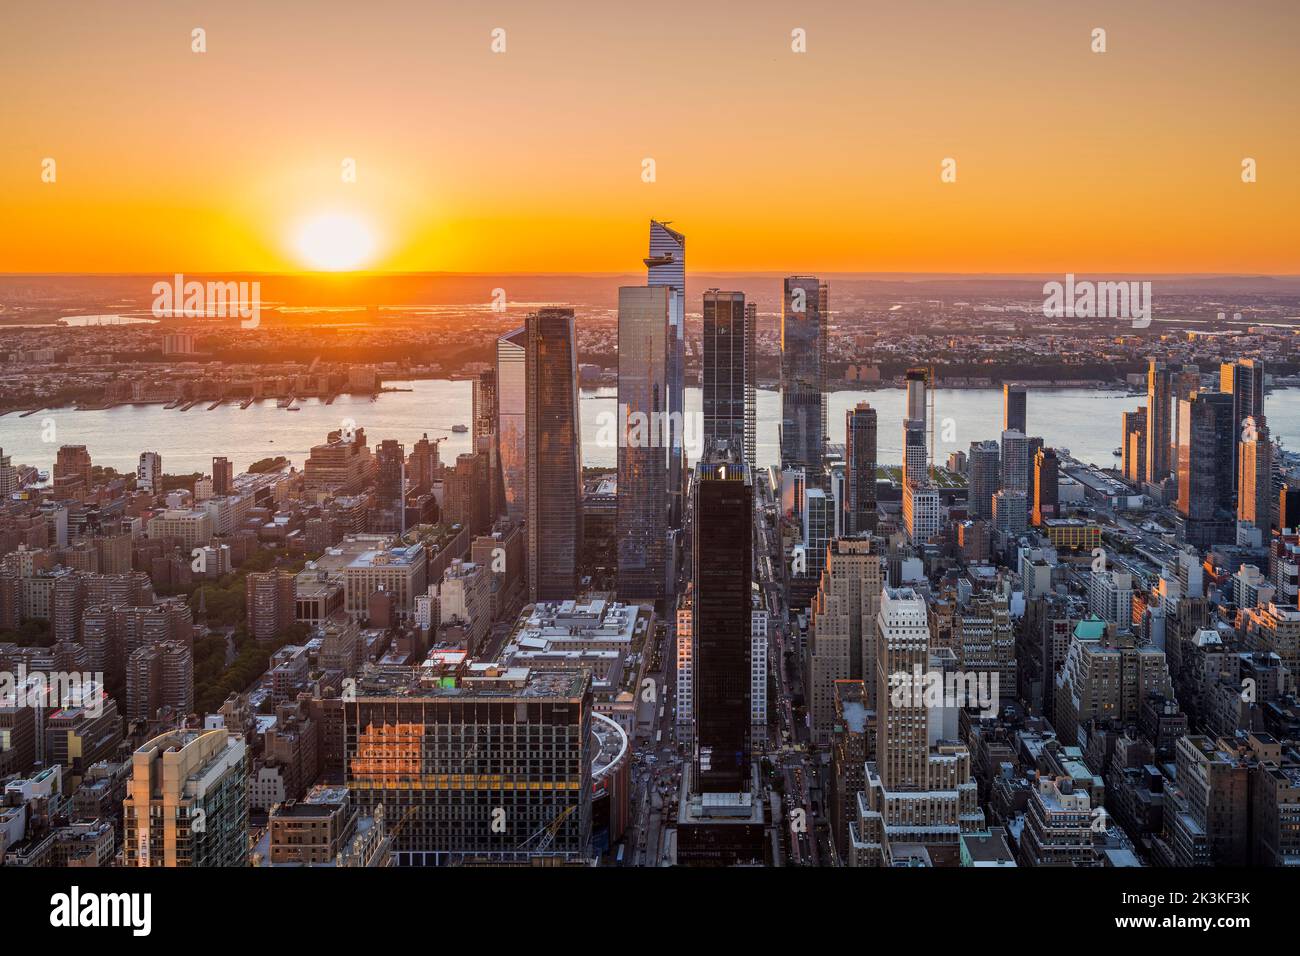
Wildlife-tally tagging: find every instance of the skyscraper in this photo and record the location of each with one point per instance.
(722, 571)
(554, 456)
(223, 476)
(1158, 422)
(728, 372)
(1206, 438)
(985, 473)
(1046, 484)
(1013, 407)
(1016, 461)
(486, 411)
(390, 481)
(1244, 381)
(751, 385)
(512, 419)
(803, 375)
(148, 474)
(666, 266)
(1133, 453)
(644, 340)
(1255, 498)
(860, 451)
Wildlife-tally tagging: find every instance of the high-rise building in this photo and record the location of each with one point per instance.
(485, 408)
(1133, 452)
(803, 375)
(1014, 408)
(1255, 499)
(751, 385)
(1016, 462)
(554, 456)
(916, 473)
(666, 266)
(1159, 424)
(860, 474)
(512, 420)
(1206, 436)
(1244, 381)
(728, 373)
(148, 474)
(72, 471)
(486, 413)
(160, 676)
(985, 476)
(919, 791)
(423, 466)
(390, 480)
(842, 632)
(923, 512)
(223, 477)
(644, 440)
(270, 601)
(187, 801)
(490, 767)
(722, 578)
(1046, 485)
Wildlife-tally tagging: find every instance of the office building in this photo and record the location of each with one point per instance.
(729, 376)
(985, 476)
(666, 267)
(643, 440)
(860, 472)
(1205, 482)
(1159, 424)
(1133, 452)
(512, 420)
(554, 456)
(1014, 408)
(486, 765)
(722, 578)
(1046, 485)
(803, 374)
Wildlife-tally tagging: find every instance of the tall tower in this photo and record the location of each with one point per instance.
(902, 648)
(916, 450)
(727, 372)
(1047, 470)
(723, 567)
(1013, 407)
(666, 266)
(644, 343)
(1158, 421)
(751, 385)
(984, 478)
(1206, 438)
(803, 375)
(1244, 381)
(554, 456)
(1255, 475)
(512, 420)
(860, 450)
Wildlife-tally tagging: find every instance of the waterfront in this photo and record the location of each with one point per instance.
(1086, 422)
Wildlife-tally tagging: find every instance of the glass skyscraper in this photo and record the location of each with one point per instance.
(554, 456)
(803, 375)
(644, 342)
(729, 376)
(666, 266)
(512, 419)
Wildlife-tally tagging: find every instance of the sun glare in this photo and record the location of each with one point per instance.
(334, 242)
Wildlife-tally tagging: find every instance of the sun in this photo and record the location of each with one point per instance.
(334, 242)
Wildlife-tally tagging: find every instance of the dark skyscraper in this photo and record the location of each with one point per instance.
(223, 477)
(985, 468)
(390, 471)
(860, 471)
(644, 341)
(554, 456)
(1206, 435)
(1134, 450)
(1013, 408)
(1158, 422)
(728, 372)
(803, 375)
(723, 537)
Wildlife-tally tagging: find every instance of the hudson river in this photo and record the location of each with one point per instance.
(1084, 421)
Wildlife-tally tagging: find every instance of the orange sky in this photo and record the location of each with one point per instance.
(1067, 160)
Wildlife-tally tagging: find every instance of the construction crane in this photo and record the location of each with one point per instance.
(548, 832)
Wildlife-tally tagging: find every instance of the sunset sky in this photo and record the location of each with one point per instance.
(530, 160)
